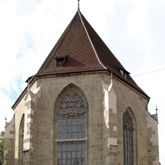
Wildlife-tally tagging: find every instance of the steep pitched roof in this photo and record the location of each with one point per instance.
(77, 49)
(80, 49)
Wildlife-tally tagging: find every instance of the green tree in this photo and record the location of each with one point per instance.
(2, 139)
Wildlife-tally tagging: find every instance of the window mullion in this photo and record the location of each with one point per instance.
(128, 139)
(71, 113)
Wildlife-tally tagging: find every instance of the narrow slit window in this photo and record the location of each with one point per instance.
(128, 139)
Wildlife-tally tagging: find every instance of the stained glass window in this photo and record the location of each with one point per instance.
(128, 139)
(71, 120)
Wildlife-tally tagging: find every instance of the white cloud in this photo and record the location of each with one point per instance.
(133, 29)
(5, 110)
(137, 20)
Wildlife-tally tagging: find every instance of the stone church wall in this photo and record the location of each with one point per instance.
(9, 142)
(128, 98)
(50, 89)
(153, 143)
(107, 97)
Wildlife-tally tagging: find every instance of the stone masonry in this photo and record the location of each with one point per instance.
(108, 98)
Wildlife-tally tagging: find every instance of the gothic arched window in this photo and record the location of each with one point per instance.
(71, 124)
(128, 139)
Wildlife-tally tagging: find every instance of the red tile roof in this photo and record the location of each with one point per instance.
(75, 45)
(83, 50)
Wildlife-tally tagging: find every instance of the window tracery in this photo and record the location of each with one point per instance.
(128, 139)
(71, 120)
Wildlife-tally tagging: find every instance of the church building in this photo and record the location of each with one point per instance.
(82, 107)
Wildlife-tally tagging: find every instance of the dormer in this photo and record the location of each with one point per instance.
(60, 61)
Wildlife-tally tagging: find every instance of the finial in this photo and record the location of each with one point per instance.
(156, 109)
(78, 5)
(5, 121)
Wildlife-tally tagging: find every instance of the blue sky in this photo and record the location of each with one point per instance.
(132, 29)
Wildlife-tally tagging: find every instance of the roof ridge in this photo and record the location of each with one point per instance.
(93, 47)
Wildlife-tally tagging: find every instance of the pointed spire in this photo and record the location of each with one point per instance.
(5, 119)
(156, 110)
(155, 116)
(78, 5)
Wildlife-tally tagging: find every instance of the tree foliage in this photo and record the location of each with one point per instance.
(2, 135)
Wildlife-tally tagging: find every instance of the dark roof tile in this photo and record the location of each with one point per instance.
(84, 51)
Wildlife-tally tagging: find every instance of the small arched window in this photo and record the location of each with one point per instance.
(21, 139)
(128, 139)
(71, 124)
